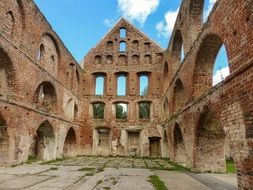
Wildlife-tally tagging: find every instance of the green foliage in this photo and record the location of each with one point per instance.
(230, 166)
(31, 159)
(86, 169)
(98, 110)
(120, 112)
(144, 110)
(157, 183)
(144, 92)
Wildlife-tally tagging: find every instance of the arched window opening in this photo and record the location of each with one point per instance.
(121, 110)
(69, 148)
(144, 84)
(121, 85)
(98, 110)
(136, 59)
(177, 48)
(179, 96)
(122, 47)
(147, 46)
(179, 147)
(144, 110)
(44, 142)
(221, 66)
(136, 45)
(210, 143)
(109, 46)
(9, 23)
(122, 33)
(109, 59)
(98, 59)
(122, 60)
(100, 84)
(148, 59)
(7, 74)
(49, 54)
(45, 97)
(211, 64)
(69, 109)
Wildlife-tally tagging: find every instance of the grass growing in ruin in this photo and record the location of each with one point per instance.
(54, 161)
(230, 166)
(31, 159)
(86, 169)
(157, 183)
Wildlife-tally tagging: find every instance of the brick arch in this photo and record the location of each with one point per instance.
(45, 97)
(204, 63)
(49, 56)
(179, 145)
(4, 142)
(44, 146)
(73, 76)
(69, 109)
(165, 70)
(177, 45)
(179, 96)
(70, 143)
(13, 20)
(210, 142)
(7, 74)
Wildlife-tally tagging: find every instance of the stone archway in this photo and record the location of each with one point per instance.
(210, 143)
(69, 148)
(179, 146)
(44, 146)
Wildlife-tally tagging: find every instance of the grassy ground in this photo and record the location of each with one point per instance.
(157, 183)
(230, 166)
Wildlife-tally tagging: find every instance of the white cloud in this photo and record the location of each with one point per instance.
(166, 26)
(137, 10)
(220, 75)
(208, 9)
(108, 22)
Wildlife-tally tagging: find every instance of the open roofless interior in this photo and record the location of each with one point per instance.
(129, 103)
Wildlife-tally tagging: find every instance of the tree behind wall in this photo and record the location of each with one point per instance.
(98, 111)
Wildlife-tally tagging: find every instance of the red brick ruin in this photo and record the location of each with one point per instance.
(47, 99)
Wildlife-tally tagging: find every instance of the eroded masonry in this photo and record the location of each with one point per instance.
(129, 97)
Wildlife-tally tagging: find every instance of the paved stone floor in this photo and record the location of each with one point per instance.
(108, 173)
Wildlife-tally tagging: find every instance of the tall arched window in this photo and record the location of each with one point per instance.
(122, 33)
(121, 110)
(122, 46)
(100, 83)
(98, 110)
(211, 64)
(144, 110)
(144, 84)
(121, 85)
(45, 96)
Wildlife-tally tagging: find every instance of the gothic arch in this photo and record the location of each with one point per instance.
(70, 143)
(210, 143)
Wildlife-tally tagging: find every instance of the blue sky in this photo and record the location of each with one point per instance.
(82, 23)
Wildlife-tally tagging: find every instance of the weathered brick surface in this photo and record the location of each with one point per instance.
(229, 103)
(46, 97)
(142, 56)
